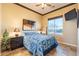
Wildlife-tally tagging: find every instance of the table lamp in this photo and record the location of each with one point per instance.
(16, 30)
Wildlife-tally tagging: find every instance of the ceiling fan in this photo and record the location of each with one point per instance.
(43, 5)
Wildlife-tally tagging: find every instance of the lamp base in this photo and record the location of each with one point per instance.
(16, 35)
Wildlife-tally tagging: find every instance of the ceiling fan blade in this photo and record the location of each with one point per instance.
(48, 4)
(38, 4)
(52, 6)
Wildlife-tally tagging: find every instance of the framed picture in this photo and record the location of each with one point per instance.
(28, 24)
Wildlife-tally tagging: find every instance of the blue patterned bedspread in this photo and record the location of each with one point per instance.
(38, 43)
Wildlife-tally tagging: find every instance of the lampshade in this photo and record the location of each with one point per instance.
(16, 30)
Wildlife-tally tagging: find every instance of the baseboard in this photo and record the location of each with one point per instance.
(68, 44)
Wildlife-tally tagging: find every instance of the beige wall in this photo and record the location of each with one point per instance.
(70, 27)
(0, 19)
(12, 16)
(78, 37)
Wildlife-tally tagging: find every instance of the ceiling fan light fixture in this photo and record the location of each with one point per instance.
(43, 5)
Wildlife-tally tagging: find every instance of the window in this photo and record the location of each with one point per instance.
(55, 26)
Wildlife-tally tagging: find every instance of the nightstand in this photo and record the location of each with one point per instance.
(16, 42)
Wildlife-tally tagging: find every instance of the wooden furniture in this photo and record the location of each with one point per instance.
(12, 43)
(16, 42)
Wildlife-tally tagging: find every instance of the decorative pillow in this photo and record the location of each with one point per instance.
(30, 33)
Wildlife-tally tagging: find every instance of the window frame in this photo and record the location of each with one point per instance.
(61, 16)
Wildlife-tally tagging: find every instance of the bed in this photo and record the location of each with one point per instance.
(39, 44)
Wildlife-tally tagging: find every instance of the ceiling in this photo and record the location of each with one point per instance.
(47, 9)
